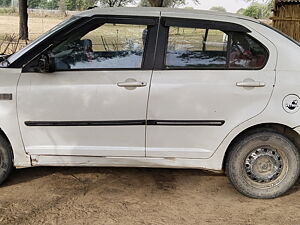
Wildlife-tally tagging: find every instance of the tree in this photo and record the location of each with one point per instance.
(5, 3)
(23, 24)
(165, 3)
(218, 8)
(52, 4)
(241, 11)
(43, 4)
(32, 4)
(258, 11)
(115, 3)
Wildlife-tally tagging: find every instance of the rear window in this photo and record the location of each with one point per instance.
(195, 48)
(246, 52)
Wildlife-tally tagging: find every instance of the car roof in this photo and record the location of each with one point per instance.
(166, 12)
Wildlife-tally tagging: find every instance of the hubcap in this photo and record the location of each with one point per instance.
(263, 165)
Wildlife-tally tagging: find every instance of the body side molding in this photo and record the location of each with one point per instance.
(127, 123)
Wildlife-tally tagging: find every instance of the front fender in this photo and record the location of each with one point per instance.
(8, 115)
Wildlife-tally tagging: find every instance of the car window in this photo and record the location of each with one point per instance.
(196, 48)
(108, 46)
(246, 52)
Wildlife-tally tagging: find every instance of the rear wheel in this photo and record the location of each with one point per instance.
(263, 164)
(6, 159)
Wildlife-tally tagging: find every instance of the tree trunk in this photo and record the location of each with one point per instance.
(156, 3)
(23, 25)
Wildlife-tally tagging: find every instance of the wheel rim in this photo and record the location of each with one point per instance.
(264, 165)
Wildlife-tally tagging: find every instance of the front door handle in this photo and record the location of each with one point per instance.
(250, 84)
(132, 84)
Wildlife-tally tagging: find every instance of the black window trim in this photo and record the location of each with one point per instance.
(163, 36)
(57, 38)
(205, 24)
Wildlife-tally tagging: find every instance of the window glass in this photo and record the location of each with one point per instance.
(246, 52)
(196, 48)
(108, 46)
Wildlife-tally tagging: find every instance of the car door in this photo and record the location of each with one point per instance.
(94, 103)
(209, 77)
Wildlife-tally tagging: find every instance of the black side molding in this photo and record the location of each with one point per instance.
(186, 122)
(126, 123)
(85, 123)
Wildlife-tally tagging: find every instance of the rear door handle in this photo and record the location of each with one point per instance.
(132, 84)
(250, 84)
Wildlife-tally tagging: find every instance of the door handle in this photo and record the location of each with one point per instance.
(132, 84)
(250, 84)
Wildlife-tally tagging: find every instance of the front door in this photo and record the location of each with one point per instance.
(212, 77)
(94, 104)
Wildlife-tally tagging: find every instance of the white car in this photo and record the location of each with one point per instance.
(156, 87)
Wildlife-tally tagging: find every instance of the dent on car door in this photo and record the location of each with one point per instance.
(211, 78)
(94, 103)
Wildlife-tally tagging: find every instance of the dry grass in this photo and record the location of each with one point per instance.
(9, 27)
(287, 19)
(37, 26)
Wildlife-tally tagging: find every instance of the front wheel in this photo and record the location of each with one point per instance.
(263, 164)
(6, 159)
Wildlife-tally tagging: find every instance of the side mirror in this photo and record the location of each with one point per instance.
(46, 64)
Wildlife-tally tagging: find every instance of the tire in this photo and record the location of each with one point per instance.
(6, 159)
(263, 164)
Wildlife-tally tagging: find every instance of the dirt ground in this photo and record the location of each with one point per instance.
(131, 196)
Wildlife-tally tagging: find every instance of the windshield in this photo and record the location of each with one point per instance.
(13, 57)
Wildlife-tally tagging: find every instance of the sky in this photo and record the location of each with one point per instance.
(229, 5)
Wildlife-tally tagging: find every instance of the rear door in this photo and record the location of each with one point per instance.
(94, 104)
(209, 78)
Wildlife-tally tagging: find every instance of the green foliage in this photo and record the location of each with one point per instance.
(79, 4)
(52, 4)
(241, 11)
(218, 8)
(44, 4)
(32, 4)
(115, 3)
(62, 4)
(166, 3)
(259, 11)
(5, 3)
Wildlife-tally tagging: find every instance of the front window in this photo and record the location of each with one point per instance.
(109, 46)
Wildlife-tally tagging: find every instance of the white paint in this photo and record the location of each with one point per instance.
(84, 150)
(83, 96)
(184, 95)
(38, 160)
